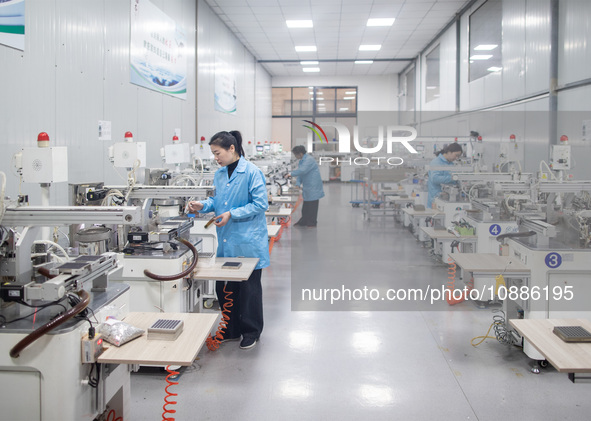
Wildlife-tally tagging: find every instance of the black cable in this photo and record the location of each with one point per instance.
(6, 322)
(94, 381)
(500, 328)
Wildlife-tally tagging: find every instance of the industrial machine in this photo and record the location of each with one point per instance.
(49, 310)
(555, 245)
(151, 248)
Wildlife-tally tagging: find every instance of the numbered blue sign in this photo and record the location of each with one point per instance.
(553, 260)
(495, 229)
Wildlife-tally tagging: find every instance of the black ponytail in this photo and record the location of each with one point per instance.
(451, 147)
(227, 139)
(238, 138)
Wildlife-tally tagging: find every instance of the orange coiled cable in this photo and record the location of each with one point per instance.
(451, 285)
(169, 394)
(213, 342)
(114, 415)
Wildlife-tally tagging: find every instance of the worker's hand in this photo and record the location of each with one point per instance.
(221, 220)
(194, 206)
(287, 175)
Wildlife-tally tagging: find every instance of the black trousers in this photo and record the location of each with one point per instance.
(309, 213)
(246, 313)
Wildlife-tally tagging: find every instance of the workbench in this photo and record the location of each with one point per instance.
(565, 357)
(417, 219)
(284, 199)
(484, 268)
(273, 230)
(182, 351)
(442, 240)
(490, 264)
(281, 212)
(215, 271)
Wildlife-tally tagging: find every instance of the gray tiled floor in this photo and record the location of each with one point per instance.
(353, 364)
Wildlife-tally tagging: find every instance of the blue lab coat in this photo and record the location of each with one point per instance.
(245, 196)
(308, 176)
(437, 178)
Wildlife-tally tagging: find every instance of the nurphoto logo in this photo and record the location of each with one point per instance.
(393, 135)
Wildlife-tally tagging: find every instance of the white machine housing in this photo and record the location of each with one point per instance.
(125, 154)
(45, 165)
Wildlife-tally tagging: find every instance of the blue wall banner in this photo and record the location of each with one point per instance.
(157, 57)
(12, 23)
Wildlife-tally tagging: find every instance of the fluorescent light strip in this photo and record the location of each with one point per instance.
(308, 63)
(370, 47)
(350, 92)
(494, 69)
(304, 48)
(380, 22)
(299, 23)
(363, 61)
(349, 97)
(485, 47)
(311, 69)
(480, 57)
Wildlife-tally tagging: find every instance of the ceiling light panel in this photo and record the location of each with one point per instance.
(370, 47)
(305, 48)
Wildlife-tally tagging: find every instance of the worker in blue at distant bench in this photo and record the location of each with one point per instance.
(239, 204)
(308, 176)
(446, 156)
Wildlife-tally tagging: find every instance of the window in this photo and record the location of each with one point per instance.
(281, 101)
(432, 79)
(346, 101)
(485, 26)
(313, 103)
(409, 89)
(302, 102)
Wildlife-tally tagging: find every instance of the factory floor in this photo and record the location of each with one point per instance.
(359, 359)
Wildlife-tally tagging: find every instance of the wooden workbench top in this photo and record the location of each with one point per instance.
(279, 212)
(284, 199)
(426, 212)
(489, 262)
(445, 235)
(566, 357)
(273, 230)
(215, 272)
(181, 351)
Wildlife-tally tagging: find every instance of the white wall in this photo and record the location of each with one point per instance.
(253, 83)
(515, 101)
(375, 93)
(74, 72)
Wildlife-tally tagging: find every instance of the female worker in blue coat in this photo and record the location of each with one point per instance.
(308, 176)
(446, 156)
(239, 205)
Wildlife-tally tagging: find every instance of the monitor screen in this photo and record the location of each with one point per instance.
(267, 148)
(259, 148)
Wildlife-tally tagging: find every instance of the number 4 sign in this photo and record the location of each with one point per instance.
(495, 229)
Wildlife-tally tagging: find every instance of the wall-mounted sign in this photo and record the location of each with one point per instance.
(12, 23)
(158, 58)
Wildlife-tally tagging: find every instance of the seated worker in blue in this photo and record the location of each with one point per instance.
(308, 176)
(239, 204)
(446, 156)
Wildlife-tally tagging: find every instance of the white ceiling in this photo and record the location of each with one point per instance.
(340, 26)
